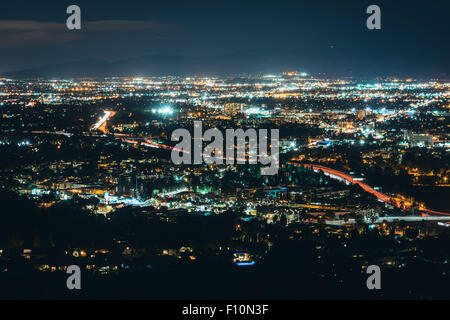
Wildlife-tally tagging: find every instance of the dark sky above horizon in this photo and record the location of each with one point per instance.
(318, 36)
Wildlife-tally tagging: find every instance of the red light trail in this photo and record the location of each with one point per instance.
(379, 195)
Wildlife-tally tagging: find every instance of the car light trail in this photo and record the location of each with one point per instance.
(364, 186)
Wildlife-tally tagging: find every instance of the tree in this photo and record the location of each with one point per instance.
(283, 220)
(275, 219)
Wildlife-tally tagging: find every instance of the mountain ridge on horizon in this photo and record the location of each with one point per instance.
(183, 65)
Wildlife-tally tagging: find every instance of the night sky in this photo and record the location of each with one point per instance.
(314, 36)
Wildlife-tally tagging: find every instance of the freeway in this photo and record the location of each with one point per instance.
(332, 172)
(385, 198)
(101, 124)
(441, 218)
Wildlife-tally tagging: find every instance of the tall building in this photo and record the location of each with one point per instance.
(419, 140)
